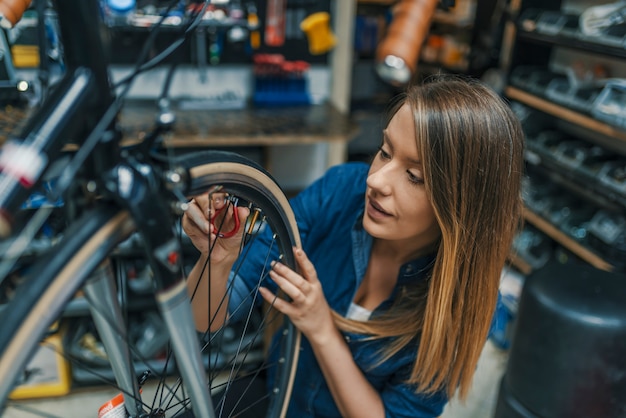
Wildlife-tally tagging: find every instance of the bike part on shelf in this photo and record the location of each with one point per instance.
(11, 12)
(398, 52)
(596, 20)
(81, 263)
(319, 34)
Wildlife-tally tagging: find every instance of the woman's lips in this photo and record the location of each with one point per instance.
(374, 210)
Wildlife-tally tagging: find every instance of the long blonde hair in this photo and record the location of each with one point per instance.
(471, 145)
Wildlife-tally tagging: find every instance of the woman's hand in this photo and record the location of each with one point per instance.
(203, 234)
(308, 308)
(310, 313)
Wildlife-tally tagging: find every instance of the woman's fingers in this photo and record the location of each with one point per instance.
(214, 213)
(288, 283)
(295, 285)
(290, 276)
(243, 212)
(202, 201)
(196, 215)
(218, 200)
(219, 238)
(230, 221)
(280, 304)
(306, 267)
(304, 300)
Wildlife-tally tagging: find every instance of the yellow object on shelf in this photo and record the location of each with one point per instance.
(47, 374)
(318, 32)
(255, 36)
(25, 56)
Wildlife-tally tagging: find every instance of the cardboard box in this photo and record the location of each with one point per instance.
(48, 373)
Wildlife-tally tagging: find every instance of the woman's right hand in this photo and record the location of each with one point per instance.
(197, 225)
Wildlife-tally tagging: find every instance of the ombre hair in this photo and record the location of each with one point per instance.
(471, 147)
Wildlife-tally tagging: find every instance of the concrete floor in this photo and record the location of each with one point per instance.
(481, 400)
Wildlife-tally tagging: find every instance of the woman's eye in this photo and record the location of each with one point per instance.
(415, 179)
(383, 154)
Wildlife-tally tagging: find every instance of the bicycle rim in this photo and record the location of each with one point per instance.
(234, 353)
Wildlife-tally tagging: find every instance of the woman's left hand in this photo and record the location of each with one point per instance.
(308, 308)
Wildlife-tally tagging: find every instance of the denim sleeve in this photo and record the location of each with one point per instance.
(247, 275)
(315, 210)
(500, 329)
(260, 252)
(402, 401)
(240, 299)
(328, 201)
(390, 377)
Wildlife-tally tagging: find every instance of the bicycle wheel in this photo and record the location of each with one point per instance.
(235, 356)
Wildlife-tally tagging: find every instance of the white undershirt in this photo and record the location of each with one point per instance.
(358, 313)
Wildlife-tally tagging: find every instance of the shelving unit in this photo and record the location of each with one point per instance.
(446, 49)
(563, 113)
(369, 94)
(567, 144)
(566, 241)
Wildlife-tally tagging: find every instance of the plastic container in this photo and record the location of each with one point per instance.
(534, 79)
(567, 354)
(554, 22)
(610, 105)
(278, 82)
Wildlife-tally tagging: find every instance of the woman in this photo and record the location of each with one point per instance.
(400, 261)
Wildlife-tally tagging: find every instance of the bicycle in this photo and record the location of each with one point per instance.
(112, 195)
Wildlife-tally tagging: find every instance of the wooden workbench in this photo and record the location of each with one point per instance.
(263, 127)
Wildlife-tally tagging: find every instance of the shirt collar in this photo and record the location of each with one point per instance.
(362, 246)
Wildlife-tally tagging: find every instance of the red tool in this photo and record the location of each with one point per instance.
(233, 203)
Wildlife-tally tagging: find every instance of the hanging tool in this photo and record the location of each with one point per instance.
(275, 22)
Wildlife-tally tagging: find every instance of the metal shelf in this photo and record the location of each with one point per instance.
(566, 241)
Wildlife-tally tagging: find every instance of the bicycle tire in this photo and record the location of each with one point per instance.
(54, 280)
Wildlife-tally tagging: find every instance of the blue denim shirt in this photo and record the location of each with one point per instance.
(329, 214)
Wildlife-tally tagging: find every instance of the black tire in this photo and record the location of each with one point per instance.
(50, 285)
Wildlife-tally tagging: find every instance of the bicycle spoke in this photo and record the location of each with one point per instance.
(234, 356)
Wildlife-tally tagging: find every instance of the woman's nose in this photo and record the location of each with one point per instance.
(380, 181)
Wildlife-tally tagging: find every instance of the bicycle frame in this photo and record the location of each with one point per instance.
(82, 110)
